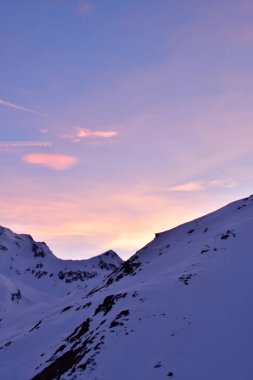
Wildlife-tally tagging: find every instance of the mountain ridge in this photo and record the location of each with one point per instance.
(180, 307)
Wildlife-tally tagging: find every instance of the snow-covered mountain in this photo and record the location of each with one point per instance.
(31, 273)
(180, 308)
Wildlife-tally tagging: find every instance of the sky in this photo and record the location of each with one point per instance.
(120, 119)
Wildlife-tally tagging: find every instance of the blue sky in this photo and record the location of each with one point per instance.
(122, 118)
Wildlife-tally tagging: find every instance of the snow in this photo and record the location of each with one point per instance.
(180, 308)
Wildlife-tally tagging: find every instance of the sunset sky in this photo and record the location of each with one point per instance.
(122, 118)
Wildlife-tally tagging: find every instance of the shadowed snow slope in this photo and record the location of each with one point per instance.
(180, 308)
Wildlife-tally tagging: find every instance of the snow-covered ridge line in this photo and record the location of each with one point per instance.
(178, 308)
(28, 267)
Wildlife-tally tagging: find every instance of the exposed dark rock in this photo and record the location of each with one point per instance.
(115, 323)
(86, 305)
(79, 331)
(16, 296)
(36, 326)
(186, 277)
(228, 234)
(66, 308)
(108, 303)
(71, 276)
(40, 265)
(108, 266)
(37, 251)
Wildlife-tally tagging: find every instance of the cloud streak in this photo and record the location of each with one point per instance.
(204, 185)
(52, 161)
(82, 133)
(25, 144)
(15, 106)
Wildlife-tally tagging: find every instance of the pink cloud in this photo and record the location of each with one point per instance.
(191, 186)
(52, 161)
(205, 185)
(81, 133)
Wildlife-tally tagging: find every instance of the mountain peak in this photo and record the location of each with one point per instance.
(30, 264)
(111, 255)
(177, 301)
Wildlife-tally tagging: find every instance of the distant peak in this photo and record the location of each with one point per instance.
(23, 244)
(110, 253)
(110, 256)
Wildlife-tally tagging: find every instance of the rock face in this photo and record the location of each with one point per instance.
(181, 307)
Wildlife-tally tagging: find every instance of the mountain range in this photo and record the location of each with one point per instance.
(181, 307)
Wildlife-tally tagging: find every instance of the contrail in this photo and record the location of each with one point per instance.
(17, 107)
(23, 144)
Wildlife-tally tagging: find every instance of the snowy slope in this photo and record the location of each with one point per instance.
(180, 308)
